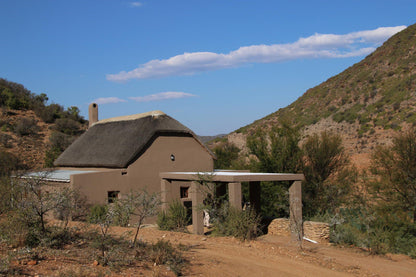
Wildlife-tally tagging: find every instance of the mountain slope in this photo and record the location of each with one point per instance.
(31, 130)
(364, 103)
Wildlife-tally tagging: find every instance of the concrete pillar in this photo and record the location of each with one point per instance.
(197, 213)
(234, 195)
(165, 190)
(295, 200)
(255, 192)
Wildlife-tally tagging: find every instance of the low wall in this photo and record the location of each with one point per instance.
(318, 231)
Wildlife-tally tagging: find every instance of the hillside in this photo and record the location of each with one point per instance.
(31, 130)
(365, 103)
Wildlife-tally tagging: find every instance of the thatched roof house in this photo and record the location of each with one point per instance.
(127, 153)
(118, 142)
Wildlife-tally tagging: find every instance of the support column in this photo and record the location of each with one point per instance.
(234, 195)
(255, 192)
(295, 200)
(197, 213)
(165, 189)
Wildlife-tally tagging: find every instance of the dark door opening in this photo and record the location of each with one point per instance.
(188, 206)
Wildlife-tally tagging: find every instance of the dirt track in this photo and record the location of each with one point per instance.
(277, 256)
(269, 255)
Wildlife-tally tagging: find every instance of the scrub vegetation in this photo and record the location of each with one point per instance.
(29, 233)
(24, 116)
(373, 209)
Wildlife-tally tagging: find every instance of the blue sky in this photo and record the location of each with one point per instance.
(213, 65)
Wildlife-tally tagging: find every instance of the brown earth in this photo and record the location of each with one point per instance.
(269, 255)
(29, 149)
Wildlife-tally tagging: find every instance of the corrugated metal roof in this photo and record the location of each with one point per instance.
(55, 175)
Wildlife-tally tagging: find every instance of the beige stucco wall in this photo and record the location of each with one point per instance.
(96, 185)
(144, 172)
(189, 156)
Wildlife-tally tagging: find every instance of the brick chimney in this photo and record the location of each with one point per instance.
(92, 114)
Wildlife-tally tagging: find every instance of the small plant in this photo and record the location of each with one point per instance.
(103, 215)
(244, 225)
(164, 253)
(141, 204)
(174, 219)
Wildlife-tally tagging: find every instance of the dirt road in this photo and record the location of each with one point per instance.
(277, 256)
(269, 255)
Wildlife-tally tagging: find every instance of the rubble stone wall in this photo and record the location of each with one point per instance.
(318, 231)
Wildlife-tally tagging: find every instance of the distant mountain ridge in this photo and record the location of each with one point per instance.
(364, 103)
(206, 139)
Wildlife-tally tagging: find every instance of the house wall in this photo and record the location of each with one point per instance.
(95, 186)
(189, 156)
(144, 172)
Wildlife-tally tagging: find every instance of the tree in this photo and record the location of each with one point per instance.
(104, 216)
(327, 178)
(35, 202)
(58, 142)
(277, 151)
(69, 204)
(226, 154)
(396, 168)
(140, 204)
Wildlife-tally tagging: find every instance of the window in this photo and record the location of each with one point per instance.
(112, 196)
(184, 192)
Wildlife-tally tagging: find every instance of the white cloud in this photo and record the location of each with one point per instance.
(108, 100)
(316, 46)
(136, 4)
(162, 96)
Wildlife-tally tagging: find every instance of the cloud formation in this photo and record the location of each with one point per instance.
(313, 47)
(162, 96)
(108, 100)
(136, 4)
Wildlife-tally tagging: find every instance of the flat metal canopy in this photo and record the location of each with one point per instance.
(62, 176)
(231, 177)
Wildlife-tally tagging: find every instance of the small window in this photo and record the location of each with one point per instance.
(184, 192)
(112, 196)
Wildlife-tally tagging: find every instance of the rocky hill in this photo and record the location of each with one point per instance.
(32, 131)
(365, 103)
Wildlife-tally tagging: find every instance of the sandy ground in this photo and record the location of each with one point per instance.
(273, 255)
(269, 255)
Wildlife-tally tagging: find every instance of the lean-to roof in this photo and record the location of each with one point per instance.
(117, 142)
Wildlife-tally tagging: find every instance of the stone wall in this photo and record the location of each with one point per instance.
(318, 231)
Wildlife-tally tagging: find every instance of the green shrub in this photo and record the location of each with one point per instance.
(8, 163)
(174, 219)
(244, 225)
(58, 142)
(226, 154)
(98, 213)
(67, 126)
(6, 140)
(26, 126)
(164, 253)
(49, 113)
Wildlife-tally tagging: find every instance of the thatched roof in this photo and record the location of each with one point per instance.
(118, 142)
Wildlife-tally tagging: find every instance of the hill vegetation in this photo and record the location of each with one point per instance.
(369, 109)
(33, 131)
(364, 103)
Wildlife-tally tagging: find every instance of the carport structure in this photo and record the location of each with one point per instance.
(234, 180)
